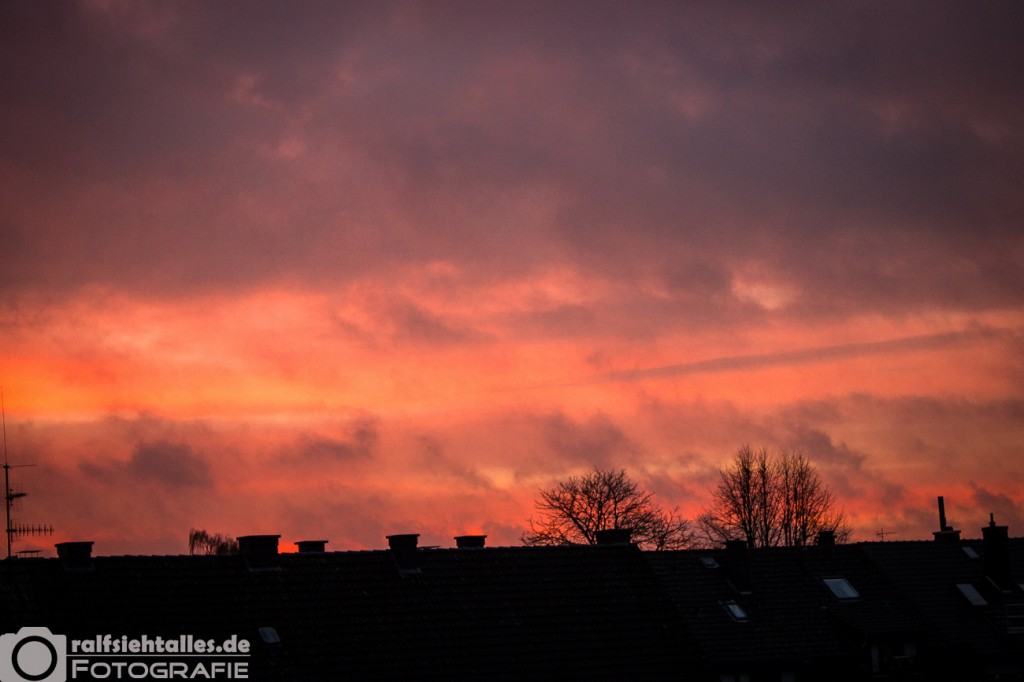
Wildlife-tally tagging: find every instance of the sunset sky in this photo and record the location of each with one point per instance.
(340, 270)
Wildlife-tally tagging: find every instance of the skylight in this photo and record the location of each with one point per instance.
(971, 593)
(736, 611)
(841, 588)
(969, 551)
(709, 562)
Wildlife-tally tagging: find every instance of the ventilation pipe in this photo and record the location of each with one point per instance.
(945, 533)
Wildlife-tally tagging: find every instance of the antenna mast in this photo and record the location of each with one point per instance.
(9, 495)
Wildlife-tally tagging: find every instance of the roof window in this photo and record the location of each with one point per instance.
(971, 593)
(709, 562)
(736, 611)
(841, 588)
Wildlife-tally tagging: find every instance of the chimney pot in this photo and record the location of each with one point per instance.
(258, 545)
(260, 551)
(311, 546)
(470, 541)
(614, 536)
(403, 549)
(403, 540)
(827, 538)
(75, 555)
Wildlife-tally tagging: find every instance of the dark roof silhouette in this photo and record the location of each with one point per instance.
(841, 612)
(794, 621)
(504, 613)
(984, 636)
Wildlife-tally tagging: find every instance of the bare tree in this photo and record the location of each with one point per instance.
(202, 542)
(573, 511)
(808, 504)
(770, 501)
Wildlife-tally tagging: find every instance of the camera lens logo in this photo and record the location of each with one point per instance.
(33, 655)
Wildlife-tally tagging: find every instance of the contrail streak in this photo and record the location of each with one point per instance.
(794, 357)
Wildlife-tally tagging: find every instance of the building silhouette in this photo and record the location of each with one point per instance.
(946, 609)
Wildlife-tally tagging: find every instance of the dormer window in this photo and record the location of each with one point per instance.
(841, 588)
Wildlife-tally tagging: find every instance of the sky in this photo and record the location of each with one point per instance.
(337, 270)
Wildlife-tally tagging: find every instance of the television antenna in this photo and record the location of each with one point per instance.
(14, 529)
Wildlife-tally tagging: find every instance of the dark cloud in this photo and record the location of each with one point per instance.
(915, 522)
(169, 464)
(315, 449)
(597, 441)
(820, 447)
(861, 155)
(1006, 510)
(457, 476)
(567, 320)
(844, 468)
(692, 488)
(161, 464)
(359, 444)
(412, 323)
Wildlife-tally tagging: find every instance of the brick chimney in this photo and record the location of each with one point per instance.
(614, 536)
(403, 549)
(260, 551)
(76, 556)
(997, 553)
(311, 546)
(737, 564)
(826, 538)
(945, 533)
(470, 541)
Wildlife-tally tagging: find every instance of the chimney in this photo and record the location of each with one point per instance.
(997, 553)
(259, 551)
(614, 536)
(76, 556)
(470, 541)
(403, 549)
(827, 538)
(311, 546)
(945, 533)
(737, 565)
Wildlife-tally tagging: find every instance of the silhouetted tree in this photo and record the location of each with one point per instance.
(573, 511)
(771, 501)
(202, 542)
